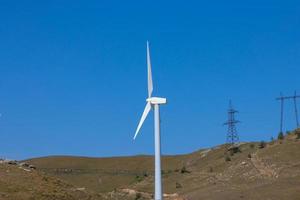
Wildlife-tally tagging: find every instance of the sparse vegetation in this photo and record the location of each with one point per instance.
(233, 150)
(227, 158)
(272, 141)
(136, 173)
(178, 185)
(297, 132)
(145, 174)
(184, 170)
(138, 196)
(262, 144)
(20, 184)
(139, 178)
(280, 136)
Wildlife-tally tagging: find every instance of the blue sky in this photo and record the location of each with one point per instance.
(73, 73)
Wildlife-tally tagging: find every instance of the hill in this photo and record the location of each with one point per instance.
(23, 183)
(257, 171)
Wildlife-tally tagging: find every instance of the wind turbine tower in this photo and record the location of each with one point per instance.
(153, 102)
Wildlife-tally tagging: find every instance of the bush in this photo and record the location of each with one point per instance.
(271, 141)
(249, 155)
(227, 158)
(252, 146)
(145, 174)
(234, 150)
(262, 145)
(178, 185)
(297, 132)
(138, 196)
(280, 136)
(138, 178)
(184, 170)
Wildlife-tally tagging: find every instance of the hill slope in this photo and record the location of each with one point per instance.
(19, 183)
(271, 172)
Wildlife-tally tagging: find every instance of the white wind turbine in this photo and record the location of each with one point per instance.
(153, 102)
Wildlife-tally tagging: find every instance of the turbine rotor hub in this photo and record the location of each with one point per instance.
(157, 100)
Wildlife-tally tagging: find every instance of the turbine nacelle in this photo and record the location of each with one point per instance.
(157, 100)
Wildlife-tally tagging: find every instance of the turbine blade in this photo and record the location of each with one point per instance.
(150, 84)
(145, 113)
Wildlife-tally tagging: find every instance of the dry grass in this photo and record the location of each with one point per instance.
(17, 183)
(272, 172)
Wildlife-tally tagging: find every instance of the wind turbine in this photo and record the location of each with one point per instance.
(153, 102)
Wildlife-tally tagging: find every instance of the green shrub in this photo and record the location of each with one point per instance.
(138, 196)
(252, 146)
(227, 158)
(262, 145)
(297, 132)
(138, 178)
(234, 150)
(280, 136)
(271, 141)
(184, 170)
(178, 185)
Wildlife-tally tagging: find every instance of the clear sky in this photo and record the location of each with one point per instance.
(73, 73)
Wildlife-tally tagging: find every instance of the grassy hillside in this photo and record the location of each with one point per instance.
(258, 171)
(18, 183)
(105, 174)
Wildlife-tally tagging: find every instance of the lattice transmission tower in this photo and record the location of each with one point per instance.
(232, 134)
(282, 99)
